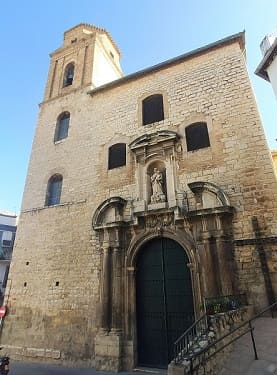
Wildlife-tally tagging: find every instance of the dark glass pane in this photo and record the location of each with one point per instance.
(62, 127)
(152, 109)
(4, 284)
(54, 191)
(117, 155)
(6, 243)
(197, 136)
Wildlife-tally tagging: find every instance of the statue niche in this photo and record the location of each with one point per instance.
(157, 183)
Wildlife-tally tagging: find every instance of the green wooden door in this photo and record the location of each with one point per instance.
(164, 300)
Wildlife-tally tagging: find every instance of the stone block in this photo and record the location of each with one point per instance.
(157, 206)
(139, 206)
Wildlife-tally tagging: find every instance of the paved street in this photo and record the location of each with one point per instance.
(20, 368)
(242, 362)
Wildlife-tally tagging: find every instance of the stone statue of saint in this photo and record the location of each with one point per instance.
(157, 188)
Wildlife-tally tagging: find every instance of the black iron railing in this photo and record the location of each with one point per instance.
(201, 357)
(199, 333)
(184, 345)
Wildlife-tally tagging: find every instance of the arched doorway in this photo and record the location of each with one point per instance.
(164, 301)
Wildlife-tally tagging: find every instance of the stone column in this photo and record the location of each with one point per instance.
(116, 326)
(131, 295)
(106, 292)
(224, 258)
(109, 341)
(225, 269)
(208, 264)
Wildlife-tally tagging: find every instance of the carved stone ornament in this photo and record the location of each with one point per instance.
(159, 221)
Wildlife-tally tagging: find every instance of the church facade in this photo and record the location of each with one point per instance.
(146, 194)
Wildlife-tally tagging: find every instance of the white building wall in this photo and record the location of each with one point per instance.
(104, 69)
(5, 219)
(272, 74)
(8, 222)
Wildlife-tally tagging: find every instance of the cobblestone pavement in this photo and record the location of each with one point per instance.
(242, 360)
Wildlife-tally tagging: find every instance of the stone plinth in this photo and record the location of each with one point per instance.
(108, 352)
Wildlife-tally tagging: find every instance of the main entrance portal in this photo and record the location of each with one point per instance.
(164, 301)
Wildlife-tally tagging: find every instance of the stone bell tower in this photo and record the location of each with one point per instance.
(88, 57)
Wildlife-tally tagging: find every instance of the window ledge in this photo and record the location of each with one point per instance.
(59, 141)
(153, 123)
(117, 168)
(199, 149)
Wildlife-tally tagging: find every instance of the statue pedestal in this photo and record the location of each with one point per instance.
(158, 198)
(156, 206)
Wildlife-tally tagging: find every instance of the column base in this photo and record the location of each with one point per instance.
(108, 352)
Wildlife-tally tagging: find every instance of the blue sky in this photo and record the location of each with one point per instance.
(146, 31)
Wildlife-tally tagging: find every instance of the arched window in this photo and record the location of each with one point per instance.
(197, 136)
(68, 75)
(117, 155)
(152, 109)
(54, 190)
(62, 126)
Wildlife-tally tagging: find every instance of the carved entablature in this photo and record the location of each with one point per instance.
(156, 170)
(160, 144)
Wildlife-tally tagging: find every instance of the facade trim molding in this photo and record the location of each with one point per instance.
(239, 37)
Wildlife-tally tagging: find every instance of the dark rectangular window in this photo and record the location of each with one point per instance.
(152, 109)
(197, 136)
(117, 155)
(7, 243)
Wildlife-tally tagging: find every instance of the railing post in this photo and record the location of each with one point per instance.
(253, 340)
(191, 367)
(272, 310)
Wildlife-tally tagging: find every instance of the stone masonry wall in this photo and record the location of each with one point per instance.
(58, 242)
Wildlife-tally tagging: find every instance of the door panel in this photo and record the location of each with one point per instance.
(164, 300)
(150, 308)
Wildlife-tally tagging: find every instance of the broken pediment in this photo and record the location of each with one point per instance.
(109, 213)
(151, 143)
(208, 195)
